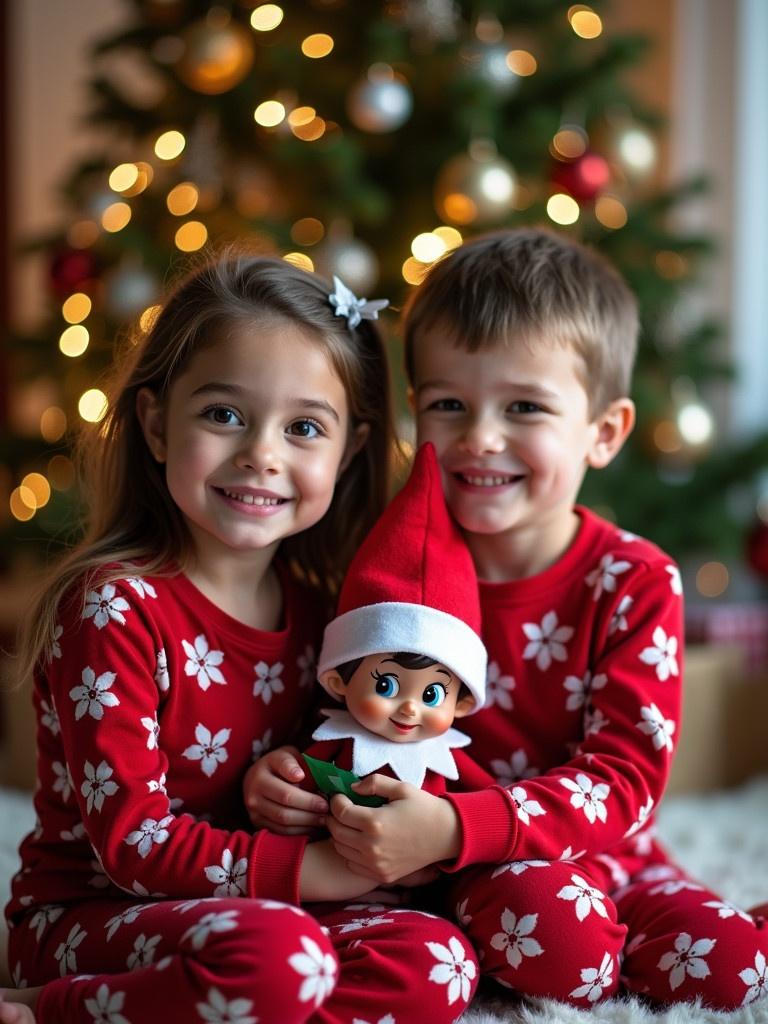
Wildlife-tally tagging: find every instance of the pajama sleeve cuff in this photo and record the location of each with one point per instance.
(488, 827)
(275, 865)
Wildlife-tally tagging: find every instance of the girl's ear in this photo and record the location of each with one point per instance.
(464, 705)
(613, 427)
(357, 440)
(151, 416)
(333, 682)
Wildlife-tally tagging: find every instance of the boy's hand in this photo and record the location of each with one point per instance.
(413, 830)
(325, 875)
(274, 799)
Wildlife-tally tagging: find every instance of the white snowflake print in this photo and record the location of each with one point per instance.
(525, 807)
(142, 588)
(515, 938)
(144, 950)
(687, 958)
(153, 728)
(49, 717)
(162, 678)
(75, 834)
(106, 1007)
(725, 909)
(97, 785)
(546, 642)
(643, 814)
(209, 750)
(387, 1019)
(463, 915)
(45, 915)
(229, 876)
(596, 980)
(517, 767)
(220, 1010)
(498, 688)
(185, 905)
(318, 970)
(260, 747)
(619, 618)
(675, 582)
(756, 980)
(94, 694)
(127, 916)
(65, 952)
(663, 655)
(655, 725)
(102, 606)
(579, 690)
(517, 867)
(307, 662)
(158, 785)
(203, 663)
(619, 875)
(672, 886)
(453, 969)
(268, 681)
(18, 981)
(586, 898)
(277, 905)
(63, 782)
(603, 578)
(594, 721)
(148, 833)
(54, 648)
(588, 796)
(198, 933)
(356, 923)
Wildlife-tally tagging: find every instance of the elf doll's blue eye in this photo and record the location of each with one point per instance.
(387, 686)
(434, 695)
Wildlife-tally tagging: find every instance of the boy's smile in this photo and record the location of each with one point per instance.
(514, 436)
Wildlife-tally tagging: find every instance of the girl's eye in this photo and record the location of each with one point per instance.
(524, 407)
(446, 405)
(223, 416)
(304, 428)
(434, 695)
(386, 686)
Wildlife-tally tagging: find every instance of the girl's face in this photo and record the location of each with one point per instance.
(254, 433)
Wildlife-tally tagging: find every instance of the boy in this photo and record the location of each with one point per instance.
(519, 347)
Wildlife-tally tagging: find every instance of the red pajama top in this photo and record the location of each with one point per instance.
(151, 704)
(584, 692)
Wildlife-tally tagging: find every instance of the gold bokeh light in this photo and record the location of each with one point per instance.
(266, 17)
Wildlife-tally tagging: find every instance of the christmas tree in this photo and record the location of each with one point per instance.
(366, 139)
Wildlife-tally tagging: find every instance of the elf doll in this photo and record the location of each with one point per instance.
(404, 654)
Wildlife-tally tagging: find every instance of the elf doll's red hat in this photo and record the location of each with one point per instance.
(412, 587)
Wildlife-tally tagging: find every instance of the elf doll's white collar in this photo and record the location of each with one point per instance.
(408, 761)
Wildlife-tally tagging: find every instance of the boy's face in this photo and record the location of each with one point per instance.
(513, 434)
(401, 704)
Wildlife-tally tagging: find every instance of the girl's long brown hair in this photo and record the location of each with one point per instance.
(132, 525)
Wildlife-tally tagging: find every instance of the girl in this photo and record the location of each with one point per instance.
(245, 442)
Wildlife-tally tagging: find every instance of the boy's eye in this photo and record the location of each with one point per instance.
(387, 686)
(304, 428)
(446, 405)
(223, 416)
(434, 695)
(523, 407)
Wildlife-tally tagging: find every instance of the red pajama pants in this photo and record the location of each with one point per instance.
(241, 961)
(549, 929)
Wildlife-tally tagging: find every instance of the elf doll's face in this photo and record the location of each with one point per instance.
(401, 704)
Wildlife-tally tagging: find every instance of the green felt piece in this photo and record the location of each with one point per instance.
(330, 779)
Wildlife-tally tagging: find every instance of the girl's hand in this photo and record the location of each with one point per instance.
(413, 830)
(274, 799)
(325, 876)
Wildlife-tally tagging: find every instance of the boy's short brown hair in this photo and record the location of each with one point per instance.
(529, 284)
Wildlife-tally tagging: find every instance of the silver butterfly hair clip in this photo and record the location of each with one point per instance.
(346, 303)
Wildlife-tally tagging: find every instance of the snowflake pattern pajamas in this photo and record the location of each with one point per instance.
(560, 883)
(143, 894)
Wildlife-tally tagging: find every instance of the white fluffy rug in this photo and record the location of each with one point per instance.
(721, 838)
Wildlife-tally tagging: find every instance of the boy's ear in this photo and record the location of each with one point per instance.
(151, 416)
(357, 440)
(333, 682)
(614, 425)
(464, 705)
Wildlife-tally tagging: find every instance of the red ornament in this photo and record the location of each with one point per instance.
(583, 178)
(757, 548)
(72, 270)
